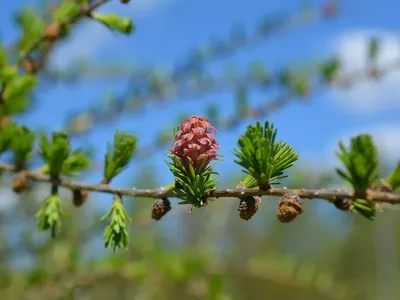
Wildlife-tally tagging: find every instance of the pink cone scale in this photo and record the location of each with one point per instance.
(195, 142)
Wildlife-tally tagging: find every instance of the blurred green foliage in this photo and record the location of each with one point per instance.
(206, 255)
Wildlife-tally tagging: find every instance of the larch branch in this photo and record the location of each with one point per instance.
(330, 195)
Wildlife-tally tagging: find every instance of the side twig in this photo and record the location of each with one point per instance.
(85, 10)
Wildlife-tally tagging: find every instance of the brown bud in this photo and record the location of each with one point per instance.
(204, 202)
(104, 181)
(161, 207)
(344, 204)
(125, 1)
(20, 182)
(4, 121)
(290, 207)
(265, 187)
(248, 207)
(330, 8)
(79, 197)
(30, 66)
(52, 31)
(386, 188)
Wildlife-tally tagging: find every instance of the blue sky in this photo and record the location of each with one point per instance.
(166, 30)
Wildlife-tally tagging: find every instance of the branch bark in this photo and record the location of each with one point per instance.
(330, 195)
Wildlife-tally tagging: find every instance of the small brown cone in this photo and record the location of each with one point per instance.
(79, 197)
(30, 66)
(20, 183)
(248, 207)
(125, 1)
(52, 31)
(290, 207)
(160, 208)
